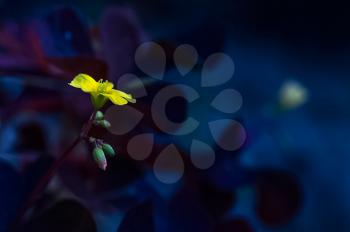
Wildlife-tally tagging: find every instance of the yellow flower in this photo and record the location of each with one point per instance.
(292, 94)
(100, 91)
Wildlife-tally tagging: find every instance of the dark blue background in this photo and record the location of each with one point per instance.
(291, 175)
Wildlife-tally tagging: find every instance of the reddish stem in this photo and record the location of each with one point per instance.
(45, 179)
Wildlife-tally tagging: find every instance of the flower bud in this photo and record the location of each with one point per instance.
(99, 157)
(105, 123)
(108, 149)
(99, 115)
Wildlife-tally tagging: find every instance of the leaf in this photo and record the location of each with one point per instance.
(234, 225)
(278, 197)
(66, 215)
(138, 219)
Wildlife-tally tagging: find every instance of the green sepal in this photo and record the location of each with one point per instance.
(100, 158)
(104, 123)
(108, 149)
(98, 101)
(99, 115)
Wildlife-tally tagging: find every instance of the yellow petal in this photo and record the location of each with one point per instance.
(84, 82)
(119, 97)
(109, 86)
(128, 97)
(116, 99)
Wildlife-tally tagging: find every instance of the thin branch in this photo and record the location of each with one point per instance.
(45, 179)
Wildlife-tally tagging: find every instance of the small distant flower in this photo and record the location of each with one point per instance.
(101, 91)
(292, 94)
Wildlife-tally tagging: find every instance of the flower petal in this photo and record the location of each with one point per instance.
(128, 97)
(84, 82)
(109, 86)
(116, 99)
(119, 97)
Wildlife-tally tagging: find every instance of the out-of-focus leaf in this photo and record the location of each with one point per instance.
(66, 215)
(120, 34)
(234, 225)
(80, 64)
(67, 34)
(278, 197)
(187, 213)
(217, 201)
(138, 219)
(10, 194)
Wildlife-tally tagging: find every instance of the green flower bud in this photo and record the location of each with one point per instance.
(99, 157)
(108, 149)
(99, 115)
(104, 123)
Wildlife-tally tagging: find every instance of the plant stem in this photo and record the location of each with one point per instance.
(45, 179)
